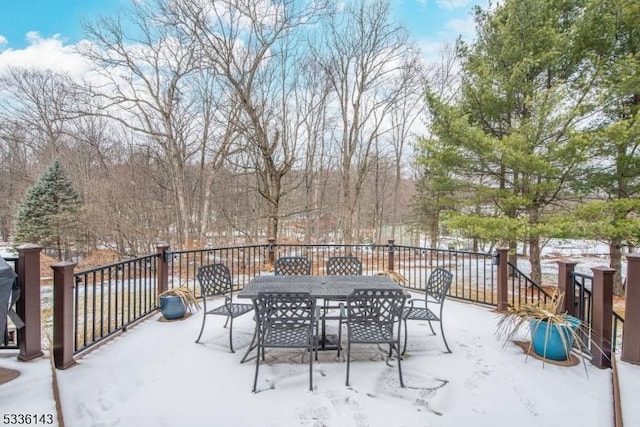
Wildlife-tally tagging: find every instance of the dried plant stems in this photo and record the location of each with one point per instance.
(532, 314)
(394, 275)
(186, 296)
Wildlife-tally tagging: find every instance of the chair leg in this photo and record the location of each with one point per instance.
(397, 347)
(251, 346)
(348, 360)
(404, 348)
(311, 363)
(431, 326)
(324, 328)
(316, 342)
(443, 337)
(255, 378)
(339, 336)
(204, 317)
(230, 333)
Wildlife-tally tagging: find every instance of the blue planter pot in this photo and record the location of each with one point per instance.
(553, 341)
(171, 307)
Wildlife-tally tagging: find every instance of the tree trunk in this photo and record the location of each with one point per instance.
(615, 257)
(534, 260)
(433, 229)
(347, 204)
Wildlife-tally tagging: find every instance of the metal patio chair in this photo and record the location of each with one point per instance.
(333, 309)
(372, 316)
(285, 320)
(343, 266)
(292, 266)
(435, 293)
(215, 280)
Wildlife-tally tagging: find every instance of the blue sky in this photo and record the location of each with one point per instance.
(427, 19)
(48, 18)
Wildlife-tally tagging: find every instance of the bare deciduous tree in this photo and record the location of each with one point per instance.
(361, 53)
(145, 70)
(252, 48)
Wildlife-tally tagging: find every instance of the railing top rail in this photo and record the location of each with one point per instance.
(115, 264)
(332, 245)
(582, 275)
(580, 280)
(444, 250)
(529, 281)
(219, 248)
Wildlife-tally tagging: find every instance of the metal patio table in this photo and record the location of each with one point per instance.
(320, 287)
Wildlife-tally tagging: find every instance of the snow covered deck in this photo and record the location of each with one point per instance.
(155, 375)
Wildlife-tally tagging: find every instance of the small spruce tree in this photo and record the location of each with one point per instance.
(49, 213)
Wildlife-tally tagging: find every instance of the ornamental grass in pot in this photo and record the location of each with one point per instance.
(554, 333)
(175, 302)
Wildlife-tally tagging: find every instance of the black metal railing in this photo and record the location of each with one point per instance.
(618, 327)
(244, 263)
(523, 290)
(10, 341)
(107, 299)
(473, 272)
(374, 258)
(582, 287)
(583, 309)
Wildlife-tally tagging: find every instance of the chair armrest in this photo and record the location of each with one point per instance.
(410, 303)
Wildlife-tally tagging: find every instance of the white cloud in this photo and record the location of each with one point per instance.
(433, 47)
(3, 40)
(44, 53)
(452, 4)
(464, 27)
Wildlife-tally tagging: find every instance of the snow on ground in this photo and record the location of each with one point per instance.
(31, 393)
(155, 375)
(629, 376)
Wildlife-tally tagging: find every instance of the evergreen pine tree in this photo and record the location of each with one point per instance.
(48, 215)
(510, 143)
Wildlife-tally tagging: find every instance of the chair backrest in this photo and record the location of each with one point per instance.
(284, 310)
(292, 266)
(214, 279)
(376, 305)
(439, 284)
(344, 266)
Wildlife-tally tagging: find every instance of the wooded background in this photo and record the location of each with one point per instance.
(232, 121)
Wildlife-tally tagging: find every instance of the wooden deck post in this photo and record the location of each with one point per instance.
(391, 260)
(503, 279)
(566, 286)
(631, 331)
(163, 267)
(602, 322)
(28, 306)
(63, 285)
